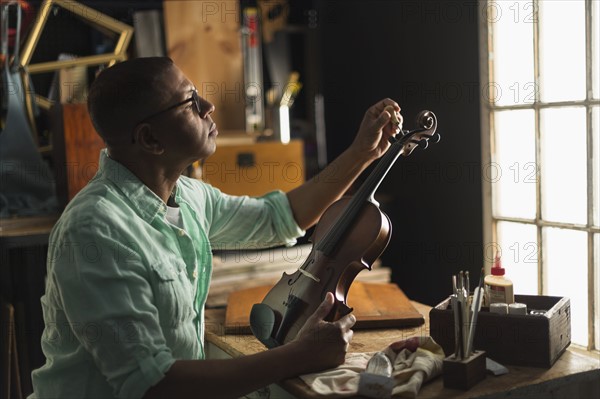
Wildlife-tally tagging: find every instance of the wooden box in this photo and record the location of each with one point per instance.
(464, 373)
(255, 168)
(523, 340)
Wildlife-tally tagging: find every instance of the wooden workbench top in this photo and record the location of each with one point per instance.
(27, 226)
(573, 367)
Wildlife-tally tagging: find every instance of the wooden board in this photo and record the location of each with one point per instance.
(76, 147)
(375, 306)
(26, 226)
(203, 38)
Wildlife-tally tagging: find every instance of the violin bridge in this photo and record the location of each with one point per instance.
(309, 275)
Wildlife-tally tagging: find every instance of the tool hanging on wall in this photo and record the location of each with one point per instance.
(253, 77)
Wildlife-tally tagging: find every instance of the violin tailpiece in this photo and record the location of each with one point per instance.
(294, 307)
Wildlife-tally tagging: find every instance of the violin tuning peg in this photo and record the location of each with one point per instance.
(436, 138)
(424, 144)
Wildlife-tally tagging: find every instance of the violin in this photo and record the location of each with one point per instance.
(351, 234)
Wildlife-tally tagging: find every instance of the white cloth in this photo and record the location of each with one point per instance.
(415, 361)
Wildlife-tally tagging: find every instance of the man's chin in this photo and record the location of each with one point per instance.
(207, 152)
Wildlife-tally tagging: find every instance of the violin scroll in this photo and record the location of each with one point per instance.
(426, 120)
(426, 130)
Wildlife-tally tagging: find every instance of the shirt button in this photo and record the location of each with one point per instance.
(195, 274)
(181, 232)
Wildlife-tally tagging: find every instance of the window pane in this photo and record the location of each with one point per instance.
(565, 261)
(517, 244)
(562, 50)
(512, 27)
(595, 48)
(514, 171)
(596, 164)
(564, 165)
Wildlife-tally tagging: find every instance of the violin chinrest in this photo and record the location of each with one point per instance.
(262, 323)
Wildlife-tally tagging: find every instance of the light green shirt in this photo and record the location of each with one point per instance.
(125, 289)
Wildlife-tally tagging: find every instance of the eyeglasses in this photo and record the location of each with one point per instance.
(194, 99)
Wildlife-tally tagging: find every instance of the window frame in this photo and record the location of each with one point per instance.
(490, 221)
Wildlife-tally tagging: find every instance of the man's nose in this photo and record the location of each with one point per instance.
(207, 108)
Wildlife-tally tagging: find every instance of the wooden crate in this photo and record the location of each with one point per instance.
(257, 168)
(522, 340)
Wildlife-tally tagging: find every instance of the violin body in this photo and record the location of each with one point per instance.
(351, 234)
(363, 243)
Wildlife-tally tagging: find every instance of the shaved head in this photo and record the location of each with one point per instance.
(124, 94)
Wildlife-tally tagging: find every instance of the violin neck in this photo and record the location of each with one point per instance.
(365, 193)
(371, 184)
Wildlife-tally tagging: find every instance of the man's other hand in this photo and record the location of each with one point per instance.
(328, 342)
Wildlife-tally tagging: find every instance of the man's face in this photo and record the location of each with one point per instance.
(182, 120)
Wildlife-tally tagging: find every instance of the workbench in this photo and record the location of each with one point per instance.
(576, 374)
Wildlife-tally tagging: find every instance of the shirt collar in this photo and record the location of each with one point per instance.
(146, 203)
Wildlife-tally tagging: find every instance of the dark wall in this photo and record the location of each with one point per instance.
(423, 54)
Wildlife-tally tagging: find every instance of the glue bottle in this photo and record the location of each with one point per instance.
(498, 289)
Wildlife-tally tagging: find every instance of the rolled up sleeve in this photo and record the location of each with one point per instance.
(262, 221)
(107, 299)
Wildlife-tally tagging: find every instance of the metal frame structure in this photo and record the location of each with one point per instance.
(96, 19)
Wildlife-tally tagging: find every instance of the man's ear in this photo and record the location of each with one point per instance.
(144, 136)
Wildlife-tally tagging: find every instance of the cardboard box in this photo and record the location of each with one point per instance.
(523, 340)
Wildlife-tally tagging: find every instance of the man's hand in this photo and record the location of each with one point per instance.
(309, 201)
(377, 126)
(326, 342)
(319, 345)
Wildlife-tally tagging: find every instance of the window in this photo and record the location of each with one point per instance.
(542, 146)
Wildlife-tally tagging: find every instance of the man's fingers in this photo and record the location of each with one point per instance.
(376, 109)
(382, 120)
(324, 308)
(346, 322)
(348, 336)
(396, 116)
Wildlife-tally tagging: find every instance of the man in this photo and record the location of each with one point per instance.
(130, 259)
